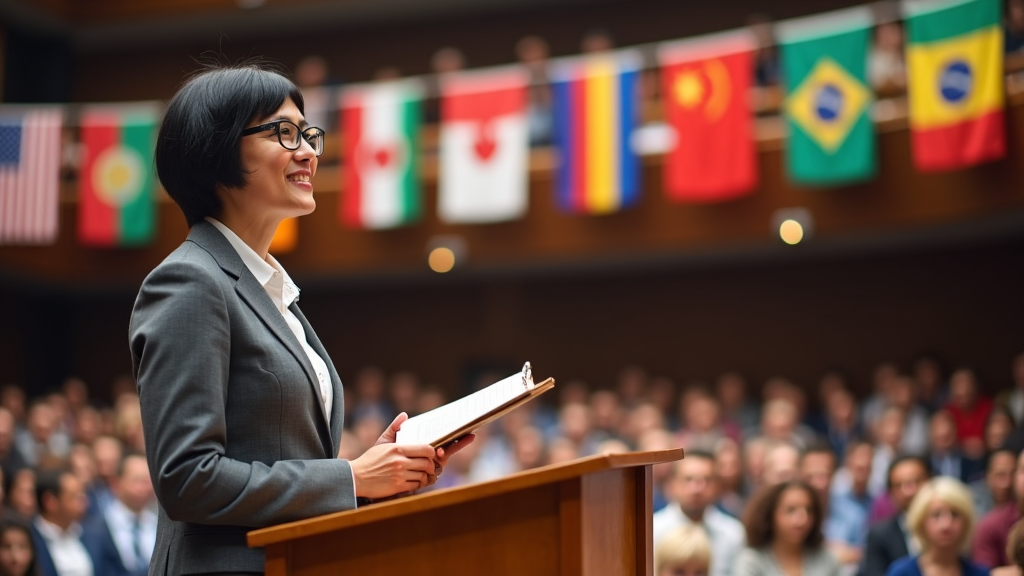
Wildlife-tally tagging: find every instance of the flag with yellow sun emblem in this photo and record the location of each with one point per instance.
(828, 102)
(116, 202)
(706, 81)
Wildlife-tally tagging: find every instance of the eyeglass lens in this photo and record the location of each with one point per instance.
(289, 134)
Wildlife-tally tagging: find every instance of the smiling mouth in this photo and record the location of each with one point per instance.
(299, 178)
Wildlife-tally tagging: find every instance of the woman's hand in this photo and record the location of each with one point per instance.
(388, 469)
(441, 455)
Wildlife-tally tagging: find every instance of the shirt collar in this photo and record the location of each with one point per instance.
(52, 532)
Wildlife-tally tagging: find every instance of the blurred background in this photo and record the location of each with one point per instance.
(900, 271)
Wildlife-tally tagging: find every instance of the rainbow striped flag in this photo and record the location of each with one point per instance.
(595, 111)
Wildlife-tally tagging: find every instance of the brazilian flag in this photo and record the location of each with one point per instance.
(828, 101)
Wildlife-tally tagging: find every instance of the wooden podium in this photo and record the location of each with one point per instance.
(590, 517)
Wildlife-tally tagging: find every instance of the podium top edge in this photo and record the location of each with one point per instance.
(550, 474)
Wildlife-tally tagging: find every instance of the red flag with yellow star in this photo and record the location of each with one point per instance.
(705, 91)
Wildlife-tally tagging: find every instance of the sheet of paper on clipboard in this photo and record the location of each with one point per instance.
(456, 419)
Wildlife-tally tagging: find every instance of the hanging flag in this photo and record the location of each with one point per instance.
(30, 155)
(596, 111)
(955, 63)
(484, 147)
(828, 101)
(705, 87)
(117, 203)
(380, 125)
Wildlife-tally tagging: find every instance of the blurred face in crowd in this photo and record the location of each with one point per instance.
(605, 409)
(692, 485)
(794, 516)
(928, 377)
(42, 422)
(842, 411)
(404, 388)
(858, 463)
(370, 385)
(754, 452)
(82, 464)
(76, 393)
(702, 414)
(662, 393)
(829, 385)
(962, 389)
(944, 526)
(68, 506)
(902, 393)
(15, 552)
(942, 432)
(23, 493)
(644, 418)
(732, 391)
(528, 446)
(905, 481)
(559, 450)
(6, 430)
(779, 420)
(781, 464)
(13, 399)
(728, 466)
(87, 425)
(574, 421)
(134, 487)
(997, 429)
(107, 453)
(999, 476)
(884, 375)
(890, 426)
(817, 468)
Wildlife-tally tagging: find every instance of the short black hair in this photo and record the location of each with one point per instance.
(197, 147)
(902, 459)
(49, 482)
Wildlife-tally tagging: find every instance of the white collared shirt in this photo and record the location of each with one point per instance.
(725, 533)
(70, 557)
(121, 522)
(272, 276)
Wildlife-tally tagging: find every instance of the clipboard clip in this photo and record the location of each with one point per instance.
(528, 376)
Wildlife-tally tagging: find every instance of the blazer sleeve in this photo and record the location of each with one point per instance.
(180, 339)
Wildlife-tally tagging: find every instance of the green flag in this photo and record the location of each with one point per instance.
(828, 100)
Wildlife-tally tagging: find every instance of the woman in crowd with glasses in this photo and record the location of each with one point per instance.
(940, 517)
(242, 407)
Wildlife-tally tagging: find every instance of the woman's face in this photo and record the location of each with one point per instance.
(15, 553)
(280, 181)
(943, 526)
(794, 516)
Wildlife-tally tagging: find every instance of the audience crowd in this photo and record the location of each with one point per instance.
(923, 476)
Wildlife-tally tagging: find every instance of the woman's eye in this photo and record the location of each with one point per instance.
(285, 130)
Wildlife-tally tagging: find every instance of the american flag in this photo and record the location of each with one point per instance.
(30, 155)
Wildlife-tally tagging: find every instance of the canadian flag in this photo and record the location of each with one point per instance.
(484, 146)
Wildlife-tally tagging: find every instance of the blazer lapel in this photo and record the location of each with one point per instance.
(337, 419)
(255, 295)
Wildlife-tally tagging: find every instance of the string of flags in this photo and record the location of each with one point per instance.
(954, 61)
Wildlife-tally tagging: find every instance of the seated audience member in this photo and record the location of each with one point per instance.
(969, 411)
(403, 391)
(754, 451)
(1012, 400)
(840, 426)
(691, 490)
(11, 459)
(946, 457)
(121, 540)
(631, 383)
(643, 417)
(575, 423)
(882, 379)
(780, 421)
(21, 493)
(684, 551)
(851, 482)
(729, 477)
(989, 546)
(701, 429)
(888, 431)
(940, 518)
(42, 443)
(607, 414)
(107, 452)
(890, 539)
(17, 555)
(784, 536)
(886, 69)
(932, 392)
(844, 522)
(781, 463)
(56, 532)
(662, 393)
(1014, 553)
(1013, 28)
(658, 440)
(738, 409)
(996, 488)
(998, 427)
(903, 395)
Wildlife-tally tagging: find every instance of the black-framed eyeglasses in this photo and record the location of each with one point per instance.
(288, 135)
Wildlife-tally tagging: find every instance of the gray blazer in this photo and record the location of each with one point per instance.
(236, 435)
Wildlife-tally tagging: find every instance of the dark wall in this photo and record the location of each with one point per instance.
(783, 317)
(37, 67)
